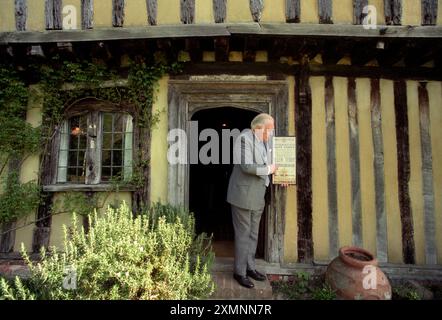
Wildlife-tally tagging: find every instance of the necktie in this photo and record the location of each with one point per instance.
(267, 162)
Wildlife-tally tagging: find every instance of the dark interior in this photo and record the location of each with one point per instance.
(208, 183)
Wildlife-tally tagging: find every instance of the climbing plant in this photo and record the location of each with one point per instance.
(62, 83)
(18, 139)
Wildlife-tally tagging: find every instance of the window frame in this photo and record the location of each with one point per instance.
(94, 110)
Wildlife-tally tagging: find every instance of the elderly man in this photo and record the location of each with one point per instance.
(247, 187)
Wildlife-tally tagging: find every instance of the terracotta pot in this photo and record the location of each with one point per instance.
(355, 275)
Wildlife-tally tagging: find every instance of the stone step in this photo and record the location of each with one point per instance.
(228, 288)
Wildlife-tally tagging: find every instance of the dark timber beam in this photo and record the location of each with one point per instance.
(362, 52)
(392, 53)
(427, 175)
(429, 12)
(403, 158)
(117, 13)
(263, 68)
(7, 229)
(21, 14)
(358, 11)
(393, 12)
(355, 165)
(47, 176)
(220, 10)
(279, 48)
(256, 7)
(87, 14)
(187, 10)
(251, 45)
(53, 14)
(152, 9)
(193, 46)
(303, 127)
(332, 191)
(221, 48)
(325, 11)
(378, 168)
(418, 54)
(310, 31)
(293, 11)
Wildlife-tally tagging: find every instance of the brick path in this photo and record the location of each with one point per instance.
(228, 288)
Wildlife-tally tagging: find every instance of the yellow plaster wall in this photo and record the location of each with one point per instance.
(391, 175)
(319, 169)
(103, 13)
(29, 169)
(135, 13)
(291, 216)
(342, 11)
(7, 17)
(159, 146)
(61, 218)
(415, 184)
(411, 14)
(435, 97)
(238, 11)
(379, 4)
(169, 12)
(366, 155)
(261, 56)
(204, 11)
(309, 11)
(235, 56)
(274, 11)
(24, 233)
(36, 15)
(209, 56)
(30, 166)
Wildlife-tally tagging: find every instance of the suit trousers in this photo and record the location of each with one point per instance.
(246, 226)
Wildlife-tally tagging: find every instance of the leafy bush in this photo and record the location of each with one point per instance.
(304, 286)
(155, 255)
(324, 293)
(17, 199)
(404, 292)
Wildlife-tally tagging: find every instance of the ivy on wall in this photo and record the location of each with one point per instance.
(18, 139)
(85, 80)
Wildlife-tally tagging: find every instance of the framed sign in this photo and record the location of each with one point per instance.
(284, 156)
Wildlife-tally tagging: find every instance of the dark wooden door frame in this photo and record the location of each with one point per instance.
(185, 97)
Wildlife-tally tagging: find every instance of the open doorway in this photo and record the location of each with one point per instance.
(208, 183)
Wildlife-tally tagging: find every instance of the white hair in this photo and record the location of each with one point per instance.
(261, 120)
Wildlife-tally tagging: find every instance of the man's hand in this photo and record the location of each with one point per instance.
(273, 168)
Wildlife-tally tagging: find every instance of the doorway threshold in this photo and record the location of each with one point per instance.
(225, 264)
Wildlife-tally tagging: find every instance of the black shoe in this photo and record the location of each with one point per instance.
(244, 281)
(255, 275)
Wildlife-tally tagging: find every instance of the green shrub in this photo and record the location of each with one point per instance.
(155, 255)
(324, 293)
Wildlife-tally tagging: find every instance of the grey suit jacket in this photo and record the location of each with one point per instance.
(247, 185)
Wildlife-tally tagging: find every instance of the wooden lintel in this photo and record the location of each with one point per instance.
(217, 30)
(264, 68)
(85, 188)
(221, 45)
